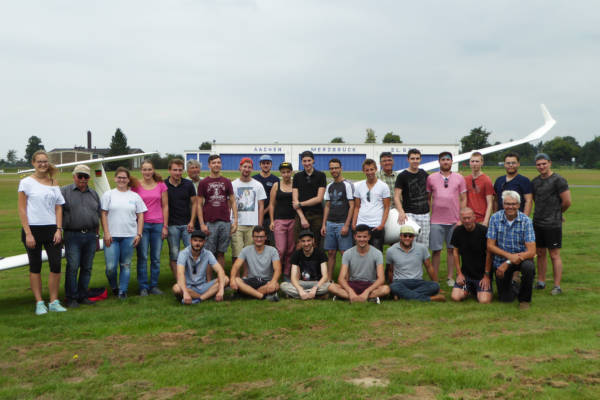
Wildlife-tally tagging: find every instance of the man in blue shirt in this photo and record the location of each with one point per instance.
(514, 181)
(511, 241)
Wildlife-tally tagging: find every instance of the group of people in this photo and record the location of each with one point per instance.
(290, 229)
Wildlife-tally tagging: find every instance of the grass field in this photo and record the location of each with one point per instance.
(153, 348)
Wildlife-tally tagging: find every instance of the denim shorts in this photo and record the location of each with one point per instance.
(439, 234)
(177, 233)
(202, 288)
(334, 239)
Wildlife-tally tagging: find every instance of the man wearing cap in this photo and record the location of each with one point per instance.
(268, 180)
(472, 260)
(250, 199)
(308, 189)
(513, 181)
(264, 269)
(309, 277)
(552, 199)
(192, 286)
(405, 261)
(386, 172)
(81, 213)
(447, 195)
(362, 277)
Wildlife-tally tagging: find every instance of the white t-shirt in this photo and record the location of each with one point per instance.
(41, 201)
(122, 208)
(247, 196)
(371, 202)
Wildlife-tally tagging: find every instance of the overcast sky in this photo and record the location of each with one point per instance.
(172, 74)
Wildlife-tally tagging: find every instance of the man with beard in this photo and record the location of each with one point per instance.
(514, 181)
(268, 180)
(307, 197)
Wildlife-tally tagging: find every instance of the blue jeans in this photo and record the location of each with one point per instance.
(177, 233)
(152, 238)
(120, 252)
(414, 289)
(80, 249)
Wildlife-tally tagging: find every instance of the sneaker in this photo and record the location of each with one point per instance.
(72, 304)
(122, 295)
(40, 308)
(450, 282)
(272, 297)
(86, 301)
(115, 291)
(540, 285)
(194, 301)
(556, 291)
(156, 291)
(524, 305)
(143, 292)
(375, 300)
(55, 306)
(334, 298)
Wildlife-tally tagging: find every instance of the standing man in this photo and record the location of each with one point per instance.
(250, 199)
(511, 240)
(552, 199)
(410, 196)
(337, 217)
(81, 213)
(480, 192)
(447, 195)
(268, 180)
(309, 277)
(513, 181)
(405, 261)
(372, 204)
(192, 286)
(361, 275)
(386, 174)
(474, 272)
(193, 171)
(308, 189)
(182, 210)
(264, 269)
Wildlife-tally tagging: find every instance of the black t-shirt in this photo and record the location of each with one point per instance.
(472, 249)
(546, 194)
(267, 183)
(308, 187)
(414, 191)
(310, 267)
(179, 201)
(339, 203)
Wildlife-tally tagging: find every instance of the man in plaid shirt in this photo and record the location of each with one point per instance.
(511, 240)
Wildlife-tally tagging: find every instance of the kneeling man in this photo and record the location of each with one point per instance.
(474, 271)
(192, 262)
(309, 270)
(406, 259)
(264, 268)
(361, 274)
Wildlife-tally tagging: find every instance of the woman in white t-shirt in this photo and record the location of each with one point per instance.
(40, 212)
(122, 223)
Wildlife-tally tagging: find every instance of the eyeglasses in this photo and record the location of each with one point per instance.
(511, 204)
(83, 176)
(510, 162)
(446, 182)
(369, 196)
(260, 236)
(122, 178)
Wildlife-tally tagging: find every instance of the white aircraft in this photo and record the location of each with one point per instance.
(392, 228)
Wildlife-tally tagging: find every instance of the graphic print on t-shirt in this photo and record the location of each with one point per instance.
(246, 198)
(418, 194)
(216, 194)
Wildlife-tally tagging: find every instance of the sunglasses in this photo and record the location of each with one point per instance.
(83, 176)
(409, 235)
(446, 183)
(369, 196)
(474, 184)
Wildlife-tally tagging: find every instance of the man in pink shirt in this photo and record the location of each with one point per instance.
(447, 195)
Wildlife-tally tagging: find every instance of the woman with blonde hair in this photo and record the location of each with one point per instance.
(40, 212)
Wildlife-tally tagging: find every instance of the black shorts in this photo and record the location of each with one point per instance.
(255, 283)
(548, 238)
(44, 237)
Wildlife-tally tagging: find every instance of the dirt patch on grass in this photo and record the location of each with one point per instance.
(421, 393)
(369, 382)
(241, 387)
(82, 375)
(164, 393)
(587, 354)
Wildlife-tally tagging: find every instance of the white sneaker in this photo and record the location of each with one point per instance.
(55, 306)
(40, 308)
(450, 282)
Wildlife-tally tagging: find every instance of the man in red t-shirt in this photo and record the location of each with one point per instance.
(480, 191)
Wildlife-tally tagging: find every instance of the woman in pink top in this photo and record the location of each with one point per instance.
(153, 191)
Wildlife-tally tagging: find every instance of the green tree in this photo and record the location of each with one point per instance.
(589, 156)
(206, 146)
(390, 137)
(34, 144)
(118, 146)
(476, 139)
(526, 152)
(337, 139)
(562, 149)
(11, 156)
(370, 138)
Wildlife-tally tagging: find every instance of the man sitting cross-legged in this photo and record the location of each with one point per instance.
(309, 270)
(472, 260)
(406, 259)
(361, 274)
(264, 268)
(192, 262)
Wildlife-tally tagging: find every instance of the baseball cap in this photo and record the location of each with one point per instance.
(245, 160)
(81, 169)
(285, 165)
(407, 229)
(306, 232)
(445, 154)
(542, 156)
(265, 157)
(199, 234)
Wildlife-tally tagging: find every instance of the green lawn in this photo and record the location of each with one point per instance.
(154, 348)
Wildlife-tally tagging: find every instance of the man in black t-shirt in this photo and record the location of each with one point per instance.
(308, 189)
(471, 258)
(268, 180)
(309, 270)
(410, 196)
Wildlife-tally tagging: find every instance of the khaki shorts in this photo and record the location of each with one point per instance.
(240, 239)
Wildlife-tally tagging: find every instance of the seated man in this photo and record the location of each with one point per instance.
(361, 274)
(192, 262)
(264, 268)
(473, 273)
(511, 240)
(309, 270)
(406, 259)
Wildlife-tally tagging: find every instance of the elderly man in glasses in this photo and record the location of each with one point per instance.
(81, 213)
(447, 195)
(192, 263)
